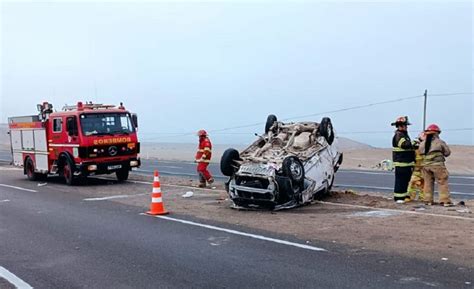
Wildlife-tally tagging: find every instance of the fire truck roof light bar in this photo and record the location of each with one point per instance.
(81, 106)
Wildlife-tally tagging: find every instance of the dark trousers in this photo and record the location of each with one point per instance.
(402, 178)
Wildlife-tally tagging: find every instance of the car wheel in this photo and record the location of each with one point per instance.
(338, 164)
(293, 168)
(30, 170)
(271, 119)
(228, 164)
(326, 130)
(122, 174)
(68, 172)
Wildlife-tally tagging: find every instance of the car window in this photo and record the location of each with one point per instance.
(57, 125)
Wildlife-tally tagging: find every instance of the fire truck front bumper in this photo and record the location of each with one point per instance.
(94, 168)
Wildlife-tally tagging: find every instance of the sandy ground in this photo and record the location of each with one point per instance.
(461, 160)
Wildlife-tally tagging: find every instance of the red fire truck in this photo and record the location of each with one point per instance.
(79, 141)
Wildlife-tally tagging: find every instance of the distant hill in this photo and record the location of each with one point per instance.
(4, 138)
(346, 144)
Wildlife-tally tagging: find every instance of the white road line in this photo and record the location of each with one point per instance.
(395, 210)
(390, 188)
(4, 201)
(13, 279)
(391, 174)
(259, 237)
(459, 184)
(364, 173)
(18, 188)
(166, 185)
(167, 173)
(114, 197)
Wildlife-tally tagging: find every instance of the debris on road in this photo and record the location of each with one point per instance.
(42, 184)
(376, 214)
(188, 194)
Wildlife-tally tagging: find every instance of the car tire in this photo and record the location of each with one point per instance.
(271, 119)
(30, 170)
(338, 163)
(293, 168)
(122, 174)
(228, 165)
(68, 171)
(326, 130)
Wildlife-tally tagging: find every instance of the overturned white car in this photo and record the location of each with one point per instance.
(290, 165)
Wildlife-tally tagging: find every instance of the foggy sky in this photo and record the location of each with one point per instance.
(186, 66)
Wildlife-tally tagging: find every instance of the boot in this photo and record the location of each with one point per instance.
(202, 185)
(210, 181)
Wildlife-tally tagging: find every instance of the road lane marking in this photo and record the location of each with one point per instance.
(13, 279)
(390, 189)
(235, 232)
(4, 201)
(18, 188)
(459, 184)
(114, 197)
(395, 210)
(392, 174)
(166, 185)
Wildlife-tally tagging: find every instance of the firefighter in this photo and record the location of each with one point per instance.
(415, 186)
(203, 157)
(434, 151)
(403, 159)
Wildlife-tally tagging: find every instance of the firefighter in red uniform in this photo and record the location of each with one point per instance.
(203, 157)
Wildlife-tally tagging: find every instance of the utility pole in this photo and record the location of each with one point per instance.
(424, 110)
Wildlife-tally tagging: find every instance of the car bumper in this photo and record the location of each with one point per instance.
(94, 168)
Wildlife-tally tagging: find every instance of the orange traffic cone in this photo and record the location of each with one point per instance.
(156, 206)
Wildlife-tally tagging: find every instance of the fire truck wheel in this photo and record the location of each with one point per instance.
(30, 170)
(122, 174)
(67, 172)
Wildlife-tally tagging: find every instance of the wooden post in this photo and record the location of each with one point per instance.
(424, 110)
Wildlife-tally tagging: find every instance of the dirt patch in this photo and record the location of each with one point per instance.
(364, 221)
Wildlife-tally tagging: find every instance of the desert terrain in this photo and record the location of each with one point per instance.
(356, 155)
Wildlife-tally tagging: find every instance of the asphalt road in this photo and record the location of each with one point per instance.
(51, 238)
(461, 186)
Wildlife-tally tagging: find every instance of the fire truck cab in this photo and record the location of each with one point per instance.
(79, 141)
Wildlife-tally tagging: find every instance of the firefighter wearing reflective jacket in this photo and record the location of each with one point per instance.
(203, 157)
(415, 186)
(403, 159)
(435, 151)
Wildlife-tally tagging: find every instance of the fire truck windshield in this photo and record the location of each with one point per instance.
(106, 123)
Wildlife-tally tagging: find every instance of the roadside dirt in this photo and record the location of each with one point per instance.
(364, 221)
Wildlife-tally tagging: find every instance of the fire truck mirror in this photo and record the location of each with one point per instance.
(71, 126)
(39, 107)
(135, 120)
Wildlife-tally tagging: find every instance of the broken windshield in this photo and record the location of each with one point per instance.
(106, 124)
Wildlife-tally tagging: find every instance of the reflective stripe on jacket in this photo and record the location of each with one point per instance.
(437, 154)
(204, 152)
(403, 153)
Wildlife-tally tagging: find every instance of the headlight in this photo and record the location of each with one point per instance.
(134, 163)
(92, 167)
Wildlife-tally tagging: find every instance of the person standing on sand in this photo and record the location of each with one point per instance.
(203, 157)
(435, 151)
(416, 184)
(403, 159)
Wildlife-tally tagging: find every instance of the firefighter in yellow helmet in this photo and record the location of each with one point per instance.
(434, 152)
(403, 155)
(415, 186)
